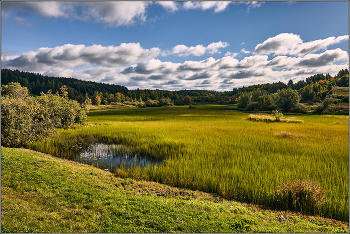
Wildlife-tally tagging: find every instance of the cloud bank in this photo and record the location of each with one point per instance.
(278, 58)
(110, 13)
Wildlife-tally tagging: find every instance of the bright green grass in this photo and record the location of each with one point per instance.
(216, 150)
(41, 193)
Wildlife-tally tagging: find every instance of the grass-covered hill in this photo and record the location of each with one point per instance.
(41, 193)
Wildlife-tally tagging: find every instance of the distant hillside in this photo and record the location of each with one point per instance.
(77, 89)
(313, 89)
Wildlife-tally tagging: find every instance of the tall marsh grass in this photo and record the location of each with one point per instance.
(269, 118)
(215, 150)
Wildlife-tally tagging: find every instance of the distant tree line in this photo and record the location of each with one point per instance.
(315, 89)
(293, 97)
(77, 89)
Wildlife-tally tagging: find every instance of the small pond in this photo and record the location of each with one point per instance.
(113, 156)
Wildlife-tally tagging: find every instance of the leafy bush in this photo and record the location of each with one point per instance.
(241, 226)
(26, 119)
(164, 101)
(152, 103)
(141, 104)
(319, 108)
(96, 100)
(299, 108)
(316, 100)
(244, 100)
(14, 90)
(130, 103)
(277, 114)
(266, 102)
(192, 107)
(63, 112)
(187, 100)
(305, 195)
(252, 106)
(23, 121)
(345, 99)
(326, 103)
(286, 99)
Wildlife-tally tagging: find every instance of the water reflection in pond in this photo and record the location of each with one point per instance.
(112, 157)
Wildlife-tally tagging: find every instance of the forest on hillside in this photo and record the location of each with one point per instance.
(314, 89)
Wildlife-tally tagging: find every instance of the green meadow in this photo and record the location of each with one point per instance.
(41, 193)
(216, 149)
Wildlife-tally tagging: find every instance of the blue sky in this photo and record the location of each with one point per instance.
(176, 45)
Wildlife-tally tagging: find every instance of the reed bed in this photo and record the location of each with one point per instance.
(269, 118)
(219, 151)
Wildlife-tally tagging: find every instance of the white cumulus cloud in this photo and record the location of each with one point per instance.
(118, 13)
(198, 50)
(169, 5)
(218, 6)
(291, 44)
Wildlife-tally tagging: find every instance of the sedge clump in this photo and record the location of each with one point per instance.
(305, 195)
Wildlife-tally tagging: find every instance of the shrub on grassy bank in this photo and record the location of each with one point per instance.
(26, 119)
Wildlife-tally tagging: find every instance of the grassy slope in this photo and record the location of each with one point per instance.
(41, 193)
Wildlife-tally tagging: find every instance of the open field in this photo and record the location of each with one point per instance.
(41, 193)
(213, 149)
